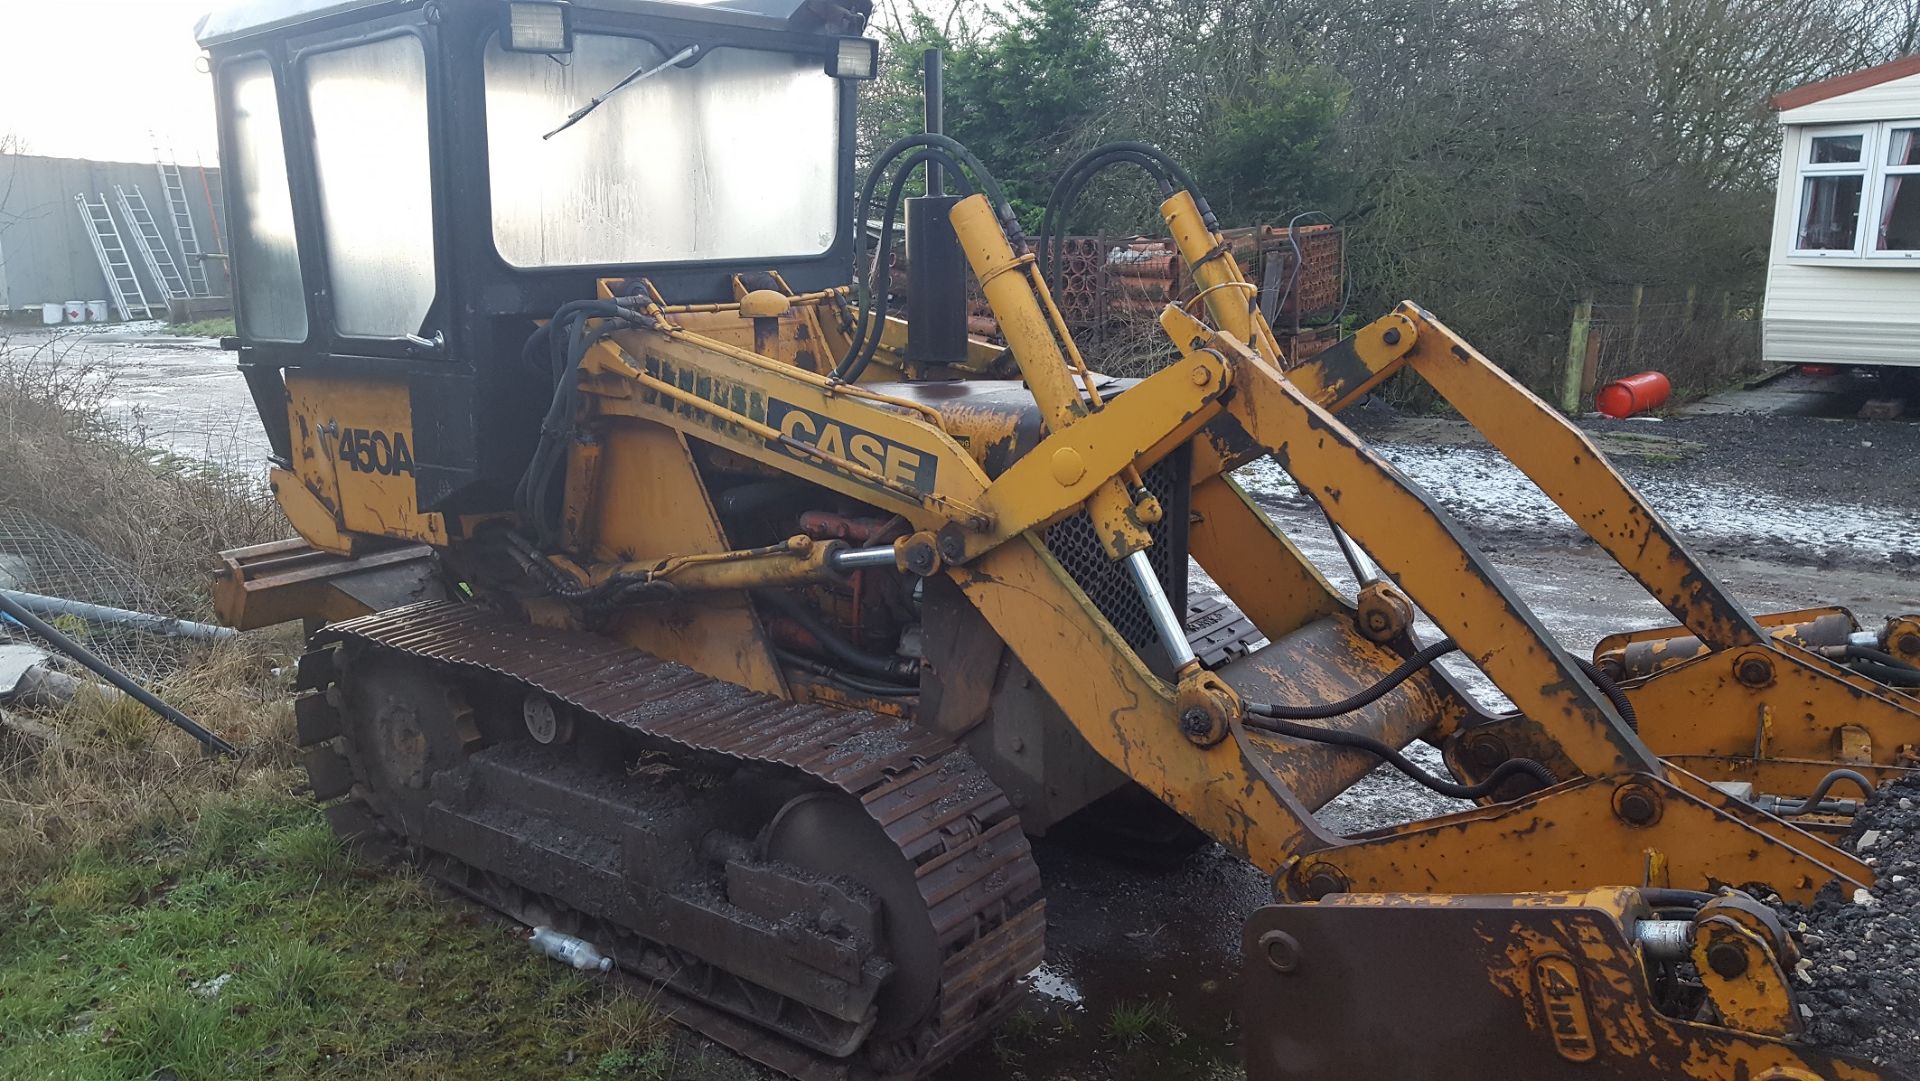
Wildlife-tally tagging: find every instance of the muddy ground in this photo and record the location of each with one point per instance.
(1790, 511)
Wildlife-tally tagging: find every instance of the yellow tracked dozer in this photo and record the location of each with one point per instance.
(673, 595)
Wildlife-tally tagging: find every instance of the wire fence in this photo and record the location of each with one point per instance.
(39, 557)
(1699, 340)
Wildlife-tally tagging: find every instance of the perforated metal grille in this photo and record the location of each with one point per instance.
(1106, 583)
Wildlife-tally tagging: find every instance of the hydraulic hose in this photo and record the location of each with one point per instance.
(1407, 669)
(873, 313)
(1884, 666)
(1612, 690)
(850, 682)
(1891, 676)
(1812, 802)
(1279, 719)
(871, 664)
(533, 494)
(1167, 172)
(1512, 767)
(1067, 189)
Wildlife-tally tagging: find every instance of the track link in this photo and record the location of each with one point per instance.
(947, 820)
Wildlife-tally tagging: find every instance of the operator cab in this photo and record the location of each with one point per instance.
(406, 194)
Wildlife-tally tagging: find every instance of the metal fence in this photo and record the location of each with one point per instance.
(39, 557)
(1700, 340)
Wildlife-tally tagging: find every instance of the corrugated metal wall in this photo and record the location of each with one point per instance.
(45, 255)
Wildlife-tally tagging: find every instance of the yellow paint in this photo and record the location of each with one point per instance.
(354, 453)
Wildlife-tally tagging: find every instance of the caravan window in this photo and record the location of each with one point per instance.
(1833, 184)
(1859, 192)
(1897, 221)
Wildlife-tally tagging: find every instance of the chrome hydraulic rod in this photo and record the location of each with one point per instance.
(1173, 633)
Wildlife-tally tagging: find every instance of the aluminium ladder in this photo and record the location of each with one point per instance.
(153, 246)
(175, 194)
(115, 263)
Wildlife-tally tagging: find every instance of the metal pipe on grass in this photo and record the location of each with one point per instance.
(54, 607)
(80, 653)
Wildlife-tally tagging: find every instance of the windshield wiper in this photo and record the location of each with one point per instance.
(637, 74)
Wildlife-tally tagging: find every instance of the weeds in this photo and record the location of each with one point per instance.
(164, 914)
(1132, 1024)
(68, 464)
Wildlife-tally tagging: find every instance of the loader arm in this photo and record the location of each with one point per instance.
(1750, 705)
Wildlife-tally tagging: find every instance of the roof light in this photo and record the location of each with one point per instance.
(538, 26)
(854, 58)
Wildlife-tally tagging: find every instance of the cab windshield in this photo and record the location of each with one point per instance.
(735, 155)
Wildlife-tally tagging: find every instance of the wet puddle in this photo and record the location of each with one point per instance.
(1141, 972)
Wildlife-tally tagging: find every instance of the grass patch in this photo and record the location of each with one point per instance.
(203, 328)
(1146, 1021)
(239, 941)
(167, 915)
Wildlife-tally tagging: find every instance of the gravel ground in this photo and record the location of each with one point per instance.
(1795, 490)
(1860, 954)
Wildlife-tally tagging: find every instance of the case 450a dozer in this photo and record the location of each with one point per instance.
(670, 591)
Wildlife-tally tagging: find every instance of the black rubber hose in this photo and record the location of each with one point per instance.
(1661, 897)
(1812, 802)
(532, 495)
(1067, 189)
(1884, 666)
(1612, 690)
(1512, 767)
(1074, 181)
(845, 652)
(1891, 676)
(873, 312)
(1881, 656)
(41, 629)
(845, 679)
(1053, 220)
(1413, 664)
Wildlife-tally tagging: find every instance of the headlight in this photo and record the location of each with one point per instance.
(542, 27)
(855, 58)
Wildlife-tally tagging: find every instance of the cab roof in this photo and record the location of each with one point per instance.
(240, 19)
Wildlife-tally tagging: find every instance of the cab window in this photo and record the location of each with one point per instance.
(368, 104)
(734, 156)
(270, 294)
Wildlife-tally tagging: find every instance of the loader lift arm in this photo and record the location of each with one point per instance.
(1743, 703)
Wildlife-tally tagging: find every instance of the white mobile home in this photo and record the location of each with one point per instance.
(1843, 282)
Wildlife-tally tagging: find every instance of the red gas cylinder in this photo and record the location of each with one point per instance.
(1633, 394)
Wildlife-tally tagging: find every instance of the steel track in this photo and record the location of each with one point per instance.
(945, 817)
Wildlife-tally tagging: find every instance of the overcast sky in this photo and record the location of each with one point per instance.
(105, 79)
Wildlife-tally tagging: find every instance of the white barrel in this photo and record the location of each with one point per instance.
(98, 312)
(76, 311)
(53, 314)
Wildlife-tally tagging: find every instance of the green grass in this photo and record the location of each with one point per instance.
(203, 328)
(1141, 1022)
(248, 945)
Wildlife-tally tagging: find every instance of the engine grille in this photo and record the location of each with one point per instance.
(1073, 543)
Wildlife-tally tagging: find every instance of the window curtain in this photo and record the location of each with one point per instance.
(1900, 152)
